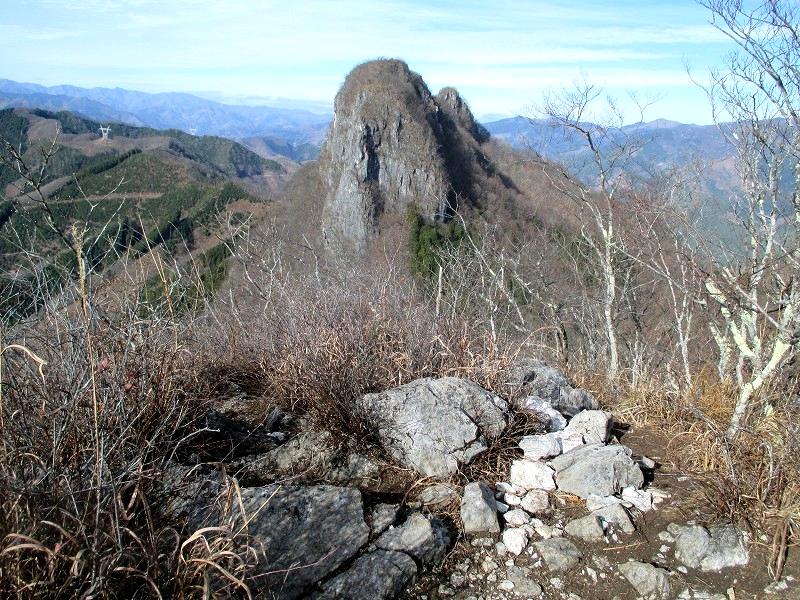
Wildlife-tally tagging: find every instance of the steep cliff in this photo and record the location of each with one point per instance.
(393, 145)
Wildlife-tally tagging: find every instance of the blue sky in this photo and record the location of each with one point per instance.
(501, 55)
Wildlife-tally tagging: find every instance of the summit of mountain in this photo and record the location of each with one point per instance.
(395, 147)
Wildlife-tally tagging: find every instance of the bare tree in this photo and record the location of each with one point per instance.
(596, 120)
(756, 102)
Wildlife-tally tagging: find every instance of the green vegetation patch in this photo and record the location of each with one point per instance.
(14, 130)
(427, 241)
(138, 172)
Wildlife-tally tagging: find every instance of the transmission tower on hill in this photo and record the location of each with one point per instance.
(104, 132)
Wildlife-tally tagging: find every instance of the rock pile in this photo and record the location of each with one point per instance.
(575, 460)
(573, 490)
(579, 458)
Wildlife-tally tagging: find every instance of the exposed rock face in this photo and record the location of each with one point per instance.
(435, 425)
(316, 527)
(392, 145)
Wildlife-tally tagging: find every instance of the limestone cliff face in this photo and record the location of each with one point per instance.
(393, 144)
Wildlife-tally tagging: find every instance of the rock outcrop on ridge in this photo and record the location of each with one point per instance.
(394, 145)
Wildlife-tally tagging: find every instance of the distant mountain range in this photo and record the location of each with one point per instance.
(705, 161)
(298, 134)
(663, 143)
(170, 111)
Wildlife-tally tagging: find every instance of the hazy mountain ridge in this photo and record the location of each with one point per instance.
(172, 111)
(299, 134)
(663, 142)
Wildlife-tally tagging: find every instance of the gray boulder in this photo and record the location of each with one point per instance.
(593, 425)
(532, 377)
(382, 516)
(615, 516)
(437, 495)
(588, 528)
(479, 509)
(649, 581)
(303, 533)
(378, 575)
(425, 539)
(596, 469)
(559, 554)
(549, 417)
(435, 425)
(711, 549)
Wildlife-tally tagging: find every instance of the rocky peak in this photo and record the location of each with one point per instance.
(450, 101)
(394, 145)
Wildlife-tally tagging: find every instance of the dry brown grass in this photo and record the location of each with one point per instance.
(84, 443)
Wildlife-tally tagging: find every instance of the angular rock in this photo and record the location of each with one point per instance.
(505, 487)
(191, 494)
(649, 581)
(559, 554)
(596, 469)
(382, 516)
(688, 594)
(551, 419)
(729, 548)
(479, 509)
(316, 527)
(516, 518)
(711, 549)
(593, 425)
(378, 575)
(393, 146)
(645, 463)
(537, 447)
(640, 499)
(515, 540)
(438, 494)
(435, 425)
(308, 453)
(357, 470)
(589, 528)
(423, 539)
(535, 502)
(524, 586)
(533, 377)
(615, 516)
(595, 502)
(570, 442)
(532, 475)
